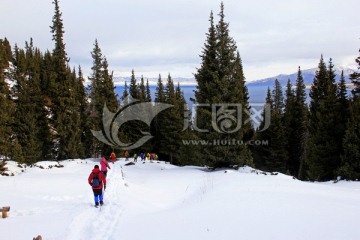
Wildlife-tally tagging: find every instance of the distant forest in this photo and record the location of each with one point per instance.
(47, 112)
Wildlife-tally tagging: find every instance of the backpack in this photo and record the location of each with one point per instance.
(96, 180)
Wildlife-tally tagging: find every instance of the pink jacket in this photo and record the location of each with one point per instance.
(104, 164)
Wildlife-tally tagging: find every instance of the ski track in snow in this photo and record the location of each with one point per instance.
(100, 223)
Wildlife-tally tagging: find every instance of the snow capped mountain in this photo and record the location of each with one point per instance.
(307, 74)
(120, 81)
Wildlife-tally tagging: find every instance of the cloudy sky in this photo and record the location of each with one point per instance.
(158, 36)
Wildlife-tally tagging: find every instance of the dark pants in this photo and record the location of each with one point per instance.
(104, 173)
(97, 195)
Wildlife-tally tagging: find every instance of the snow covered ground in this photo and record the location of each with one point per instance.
(159, 201)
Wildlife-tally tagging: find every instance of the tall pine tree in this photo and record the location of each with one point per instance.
(101, 94)
(66, 119)
(221, 94)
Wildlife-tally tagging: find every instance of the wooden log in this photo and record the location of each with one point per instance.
(4, 211)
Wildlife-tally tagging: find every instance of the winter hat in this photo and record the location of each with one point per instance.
(96, 166)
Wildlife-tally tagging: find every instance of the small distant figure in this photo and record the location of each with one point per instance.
(135, 157)
(147, 156)
(104, 165)
(156, 157)
(97, 181)
(152, 156)
(113, 156)
(142, 156)
(126, 155)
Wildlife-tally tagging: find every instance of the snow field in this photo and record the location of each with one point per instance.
(156, 201)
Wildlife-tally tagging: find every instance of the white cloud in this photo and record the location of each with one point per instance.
(161, 36)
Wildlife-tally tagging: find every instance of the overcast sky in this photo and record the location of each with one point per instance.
(158, 36)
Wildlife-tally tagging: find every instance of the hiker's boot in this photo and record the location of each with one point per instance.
(101, 203)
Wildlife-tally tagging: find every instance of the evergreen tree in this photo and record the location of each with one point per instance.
(160, 92)
(273, 157)
(142, 90)
(325, 130)
(125, 93)
(66, 119)
(221, 92)
(148, 92)
(134, 91)
(355, 79)
(171, 123)
(30, 126)
(299, 149)
(6, 103)
(350, 159)
(158, 120)
(278, 97)
(82, 100)
(101, 93)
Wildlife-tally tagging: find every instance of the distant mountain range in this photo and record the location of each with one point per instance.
(308, 76)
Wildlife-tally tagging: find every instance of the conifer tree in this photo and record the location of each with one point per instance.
(350, 158)
(66, 120)
(355, 79)
(125, 93)
(6, 103)
(219, 92)
(298, 147)
(157, 123)
(30, 128)
(101, 94)
(160, 94)
(171, 123)
(148, 92)
(133, 90)
(273, 157)
(324, 146)
(82, 100)
(142, 90)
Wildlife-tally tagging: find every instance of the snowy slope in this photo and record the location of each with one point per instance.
(156, 201)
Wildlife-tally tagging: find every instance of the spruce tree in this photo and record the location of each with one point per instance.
(355, 79)
(325, 126)
(273, 157)
(101, 94)
(350, 158)
(66, 119)
(30, 126)
(6, 103)
(134, 90)
(221, 93)
(160, 92)
(82, 100)
(171, 123)
(148, 92)
(142, 90)
(157, 123)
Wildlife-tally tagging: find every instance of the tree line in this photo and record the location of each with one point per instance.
(47, 112)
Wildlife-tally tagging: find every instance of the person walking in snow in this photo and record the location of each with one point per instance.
(135, 157)
(142, 155)
(126, 155)
(113, 156)
(104, 165)
(96, 181)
